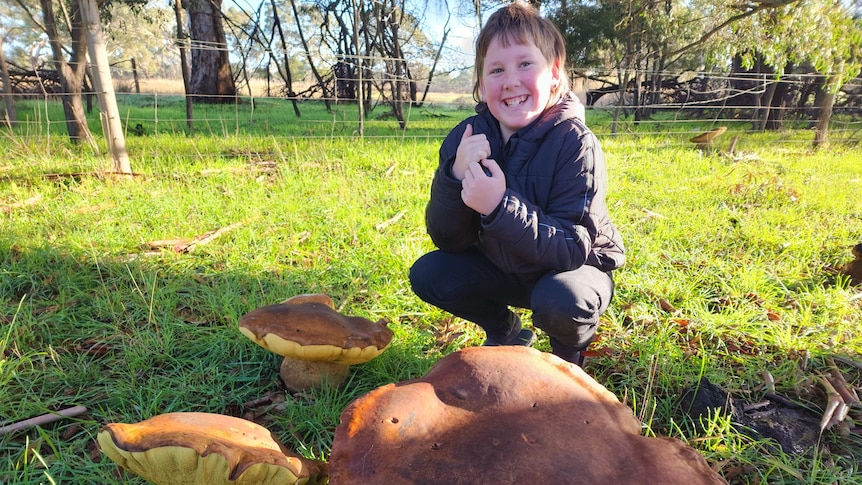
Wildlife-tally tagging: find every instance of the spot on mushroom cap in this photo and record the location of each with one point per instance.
(504, 415)
(315, 331)
(194, 448)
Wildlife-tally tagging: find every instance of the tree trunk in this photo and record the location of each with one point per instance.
(72, 72)
(359, 67)
(317, 76)
(10, 117)
(825, 116)
(104, 87)
(288, 77)
(211, 78)
(182, 39)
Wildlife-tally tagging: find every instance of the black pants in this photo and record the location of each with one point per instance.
(565, 305)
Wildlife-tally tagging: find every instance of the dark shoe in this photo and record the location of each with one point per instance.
(574, 357)
(567, 353)
(525, 338)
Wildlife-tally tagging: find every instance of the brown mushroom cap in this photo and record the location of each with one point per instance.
(315, 331)
(709, 135)
(310, 297)
(504, 415)
(196, 448)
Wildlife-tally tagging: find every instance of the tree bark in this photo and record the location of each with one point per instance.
(825, 116)
(182, 39)
(211, 78)
(10, 117)
(104, 87)
(288, 77)
(72, 72)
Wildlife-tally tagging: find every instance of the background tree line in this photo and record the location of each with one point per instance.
(382, 52)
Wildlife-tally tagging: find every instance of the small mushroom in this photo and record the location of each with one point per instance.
(853, 269)
(196, 448)
(317, 342)
(504, 415)
(704, 140)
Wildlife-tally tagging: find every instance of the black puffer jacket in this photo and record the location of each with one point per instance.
(553, 216)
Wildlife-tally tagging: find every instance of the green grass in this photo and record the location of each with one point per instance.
(89, 315)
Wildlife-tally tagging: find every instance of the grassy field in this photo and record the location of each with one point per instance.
(731, 276)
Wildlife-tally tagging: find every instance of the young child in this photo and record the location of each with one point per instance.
(517, 204)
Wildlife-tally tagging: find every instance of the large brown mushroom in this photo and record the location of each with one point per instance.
(704, 140)
(317, 342)
(504, 415)
(202, 448)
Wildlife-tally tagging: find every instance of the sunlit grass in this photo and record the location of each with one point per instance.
(740, 246)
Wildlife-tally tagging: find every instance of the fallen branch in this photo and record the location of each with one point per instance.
(43, 419)
(186, 247)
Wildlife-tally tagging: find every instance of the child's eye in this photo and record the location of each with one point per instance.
(496, 70)
(526, 63)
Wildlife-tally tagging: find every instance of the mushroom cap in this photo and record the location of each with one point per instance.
(315, 331)
(194, 448)
(504, 415)
(310, 297)
(709, 135)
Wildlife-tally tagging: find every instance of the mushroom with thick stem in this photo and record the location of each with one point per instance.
(704, 140)
(504, 415)
(188, 448)
(317, 342)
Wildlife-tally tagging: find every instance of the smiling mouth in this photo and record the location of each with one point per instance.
(516, 101)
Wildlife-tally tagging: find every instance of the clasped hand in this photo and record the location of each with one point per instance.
(480, 191)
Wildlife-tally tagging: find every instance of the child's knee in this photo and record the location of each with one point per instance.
(572, 322)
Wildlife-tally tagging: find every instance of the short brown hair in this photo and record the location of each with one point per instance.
(522, 24)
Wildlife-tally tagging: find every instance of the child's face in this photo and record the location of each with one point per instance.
(516, 83)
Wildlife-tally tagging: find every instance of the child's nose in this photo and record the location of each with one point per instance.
(511, 80)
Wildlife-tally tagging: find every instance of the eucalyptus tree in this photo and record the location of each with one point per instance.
(825, 34)
(71, 70)
(61, 24)
(211, 78)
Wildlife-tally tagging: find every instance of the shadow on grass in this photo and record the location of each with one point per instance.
(134, 335)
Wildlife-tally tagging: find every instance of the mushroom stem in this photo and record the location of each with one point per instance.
(300, 375)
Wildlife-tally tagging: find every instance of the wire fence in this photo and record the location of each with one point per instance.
(680, 106)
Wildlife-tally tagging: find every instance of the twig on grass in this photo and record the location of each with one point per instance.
(390, 221)
(43, 419)
(185, 247)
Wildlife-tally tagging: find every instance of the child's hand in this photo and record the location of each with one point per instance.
(482, 192)
(473, 148)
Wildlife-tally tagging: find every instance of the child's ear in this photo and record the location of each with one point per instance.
(555, 70)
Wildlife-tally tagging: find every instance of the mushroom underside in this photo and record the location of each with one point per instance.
(195, 448)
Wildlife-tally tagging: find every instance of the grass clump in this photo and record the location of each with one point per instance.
(730, 274)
